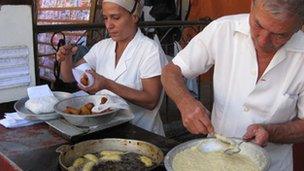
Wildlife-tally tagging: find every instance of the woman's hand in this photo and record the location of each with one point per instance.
(66, 52)
(100, 83)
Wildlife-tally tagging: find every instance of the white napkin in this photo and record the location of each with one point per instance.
(41, 105)
(13, 120)
(41, 99)
(39, 91)
(80, 93)
(79, 71)
(113, 102)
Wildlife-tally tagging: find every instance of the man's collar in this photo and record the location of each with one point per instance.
(296, 42)
(242, 26)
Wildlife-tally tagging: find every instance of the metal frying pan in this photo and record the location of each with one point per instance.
(68, 153)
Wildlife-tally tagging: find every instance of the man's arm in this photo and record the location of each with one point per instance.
(285, 133)
(291, 132)
(194, 115)
(174, 84)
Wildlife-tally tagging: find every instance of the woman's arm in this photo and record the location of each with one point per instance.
(64, 55)
(147, 98)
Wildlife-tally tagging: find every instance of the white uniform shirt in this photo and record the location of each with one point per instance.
(141, 59)
(239, 98)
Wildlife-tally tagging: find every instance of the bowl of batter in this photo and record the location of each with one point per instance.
(208, 154)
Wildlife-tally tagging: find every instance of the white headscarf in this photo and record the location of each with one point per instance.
(129, 5)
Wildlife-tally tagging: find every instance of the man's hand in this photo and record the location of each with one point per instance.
(65, 52)
(257, 134)
(99, 83)
(195, 117)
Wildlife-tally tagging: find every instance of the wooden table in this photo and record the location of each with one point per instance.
(33, 147)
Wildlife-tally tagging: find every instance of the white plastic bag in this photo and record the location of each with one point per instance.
(79, 72)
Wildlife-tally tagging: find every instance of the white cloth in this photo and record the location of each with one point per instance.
(80, 93)
(239, 98)
(128, 5)
(41, 105)
(79, 71)
(113, 102)
(41, 99)
(13, 120)
(141, 59)
(39, 91)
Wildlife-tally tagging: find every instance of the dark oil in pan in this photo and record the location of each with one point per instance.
(128, 162)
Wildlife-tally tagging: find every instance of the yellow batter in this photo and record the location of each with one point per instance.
(195, 160)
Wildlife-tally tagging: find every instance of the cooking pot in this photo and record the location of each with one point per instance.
(257, 154)
(69, 153)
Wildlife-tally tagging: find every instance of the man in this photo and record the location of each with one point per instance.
(258, 84)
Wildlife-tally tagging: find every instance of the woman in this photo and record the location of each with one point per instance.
(127, 64)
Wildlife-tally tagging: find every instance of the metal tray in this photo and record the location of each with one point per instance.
(69, 131)
(27, 114)
(256, 153)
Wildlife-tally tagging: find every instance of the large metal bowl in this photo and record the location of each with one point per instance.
(84, 120)
(27, 114)
(68, 153)
(256, 153)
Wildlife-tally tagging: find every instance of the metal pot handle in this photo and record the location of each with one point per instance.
(64, 148)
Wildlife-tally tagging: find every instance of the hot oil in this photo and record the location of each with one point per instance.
(117, 161)
(128, 162)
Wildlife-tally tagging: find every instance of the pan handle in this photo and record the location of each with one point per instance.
(64, 148)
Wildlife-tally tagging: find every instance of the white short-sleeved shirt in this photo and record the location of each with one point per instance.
(239, 98)
(141, 59)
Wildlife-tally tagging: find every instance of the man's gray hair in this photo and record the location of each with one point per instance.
(277, 7)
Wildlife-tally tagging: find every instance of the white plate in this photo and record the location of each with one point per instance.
(27, 114)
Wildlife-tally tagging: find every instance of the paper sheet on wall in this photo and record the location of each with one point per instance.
(17, 66)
